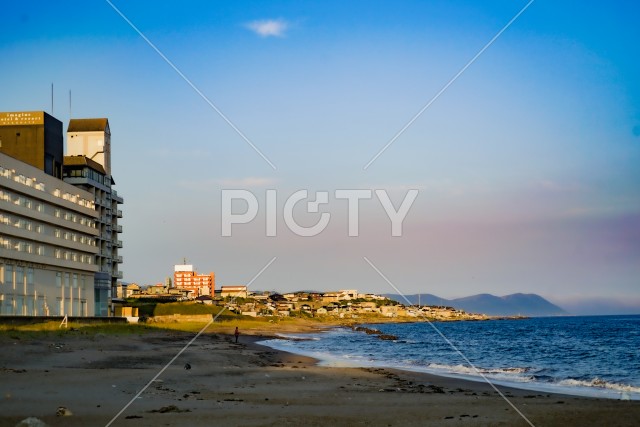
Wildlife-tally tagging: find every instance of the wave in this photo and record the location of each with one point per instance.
(297, 337)
(600, 383)
(467, 370)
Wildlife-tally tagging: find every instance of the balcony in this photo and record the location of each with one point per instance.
(119, 243)
(119, 228)
(119, 213)
(114, 196)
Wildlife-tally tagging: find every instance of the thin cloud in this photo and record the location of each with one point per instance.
(269, 27)
(248, 182)
(214, 183)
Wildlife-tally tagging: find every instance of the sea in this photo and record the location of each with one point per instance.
(597, 356)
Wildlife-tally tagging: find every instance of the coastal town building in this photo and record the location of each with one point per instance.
(87, 165)
(236, 291)
(341, 295)
(186, 278)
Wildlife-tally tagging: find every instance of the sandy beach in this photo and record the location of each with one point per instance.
(95, 375)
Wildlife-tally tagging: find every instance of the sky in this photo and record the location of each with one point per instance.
(526, 159)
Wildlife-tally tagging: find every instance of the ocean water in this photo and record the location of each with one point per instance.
(587, 356)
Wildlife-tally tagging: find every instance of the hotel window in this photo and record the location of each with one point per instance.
(39, 228)
(60, 307)
(75, 280)
(7, 305)
(58, 253)
(29, 310)
(30, 282)
(19, 278)
(57, 233)
(67, 280)
(58, 213)
(40, 307)
(19, 308)
(40, 250)
(58, 279)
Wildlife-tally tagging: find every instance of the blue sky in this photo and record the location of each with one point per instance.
(527, 165)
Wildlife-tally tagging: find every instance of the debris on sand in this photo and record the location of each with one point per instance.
(63, 412)
(170, 408)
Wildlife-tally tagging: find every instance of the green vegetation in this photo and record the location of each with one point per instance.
(185, 308)
(150, 308)
(53, 329)
(385, 302)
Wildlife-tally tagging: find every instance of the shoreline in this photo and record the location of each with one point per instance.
(531, 387)
(95, 375)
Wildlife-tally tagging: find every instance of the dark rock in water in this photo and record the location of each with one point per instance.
(371, 331)
(388, 337)
(187, 366)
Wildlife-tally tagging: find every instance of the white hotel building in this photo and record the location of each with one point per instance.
(47, 244)
(59, 231)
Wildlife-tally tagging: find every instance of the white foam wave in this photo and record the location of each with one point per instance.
(467, 370)
(600, 383)
(298, 337)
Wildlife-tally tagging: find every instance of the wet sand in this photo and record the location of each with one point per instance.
(94, 376)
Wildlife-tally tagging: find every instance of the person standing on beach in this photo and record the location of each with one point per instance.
(237, 334)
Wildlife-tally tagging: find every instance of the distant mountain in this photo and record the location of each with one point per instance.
(508, 305)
